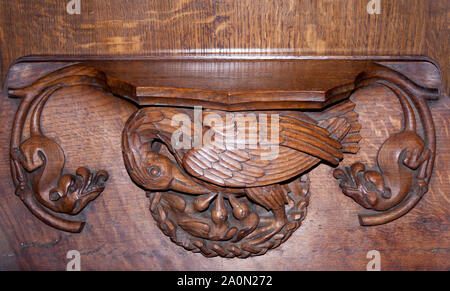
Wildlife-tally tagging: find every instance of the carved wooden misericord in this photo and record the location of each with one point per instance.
(221, 198)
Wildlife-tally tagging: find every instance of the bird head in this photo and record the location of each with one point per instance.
(155, 172)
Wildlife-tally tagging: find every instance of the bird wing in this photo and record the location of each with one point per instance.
(301, 144)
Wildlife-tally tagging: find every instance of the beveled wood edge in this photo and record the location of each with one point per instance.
(235, 101)
(377, 74)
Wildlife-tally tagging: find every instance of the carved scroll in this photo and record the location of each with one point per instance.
(37, 163)
(244, 198)
(404, 161)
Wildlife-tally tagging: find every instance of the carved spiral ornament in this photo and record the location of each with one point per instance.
(404, 161)
(37, 163)
(221, 198)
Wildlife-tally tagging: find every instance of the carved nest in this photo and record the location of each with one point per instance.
(222, 229)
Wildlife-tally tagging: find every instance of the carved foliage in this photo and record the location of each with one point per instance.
(226, 225)
(38, 162)
(226, 201)
(404, 161)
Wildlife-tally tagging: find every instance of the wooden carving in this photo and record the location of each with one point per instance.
(38, 162)
(404, 161)
(206, 195)
(223, 156)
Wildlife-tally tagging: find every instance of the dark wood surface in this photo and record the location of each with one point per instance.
(231, 82)
(121, 234)
(303, 27)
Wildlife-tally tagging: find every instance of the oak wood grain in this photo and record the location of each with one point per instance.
(121, 233)
(303, 27)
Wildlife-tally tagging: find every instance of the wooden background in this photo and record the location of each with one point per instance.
(121, 234)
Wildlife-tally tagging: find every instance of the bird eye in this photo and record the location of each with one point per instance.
(154, 171)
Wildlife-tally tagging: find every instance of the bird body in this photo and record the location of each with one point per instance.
(300, 142)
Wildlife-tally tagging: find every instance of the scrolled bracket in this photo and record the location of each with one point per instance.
(211, 198)
(37, 163)
(404, 161)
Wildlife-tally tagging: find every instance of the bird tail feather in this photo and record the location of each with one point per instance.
(342, 122)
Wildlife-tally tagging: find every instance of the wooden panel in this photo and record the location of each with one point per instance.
(232, 82)
(305, 27)
(121, 233)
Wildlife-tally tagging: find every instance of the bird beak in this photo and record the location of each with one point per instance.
(187, 186)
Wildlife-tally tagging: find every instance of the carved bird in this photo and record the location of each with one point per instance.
(249, 165)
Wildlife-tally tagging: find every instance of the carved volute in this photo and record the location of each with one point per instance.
(225, 157)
